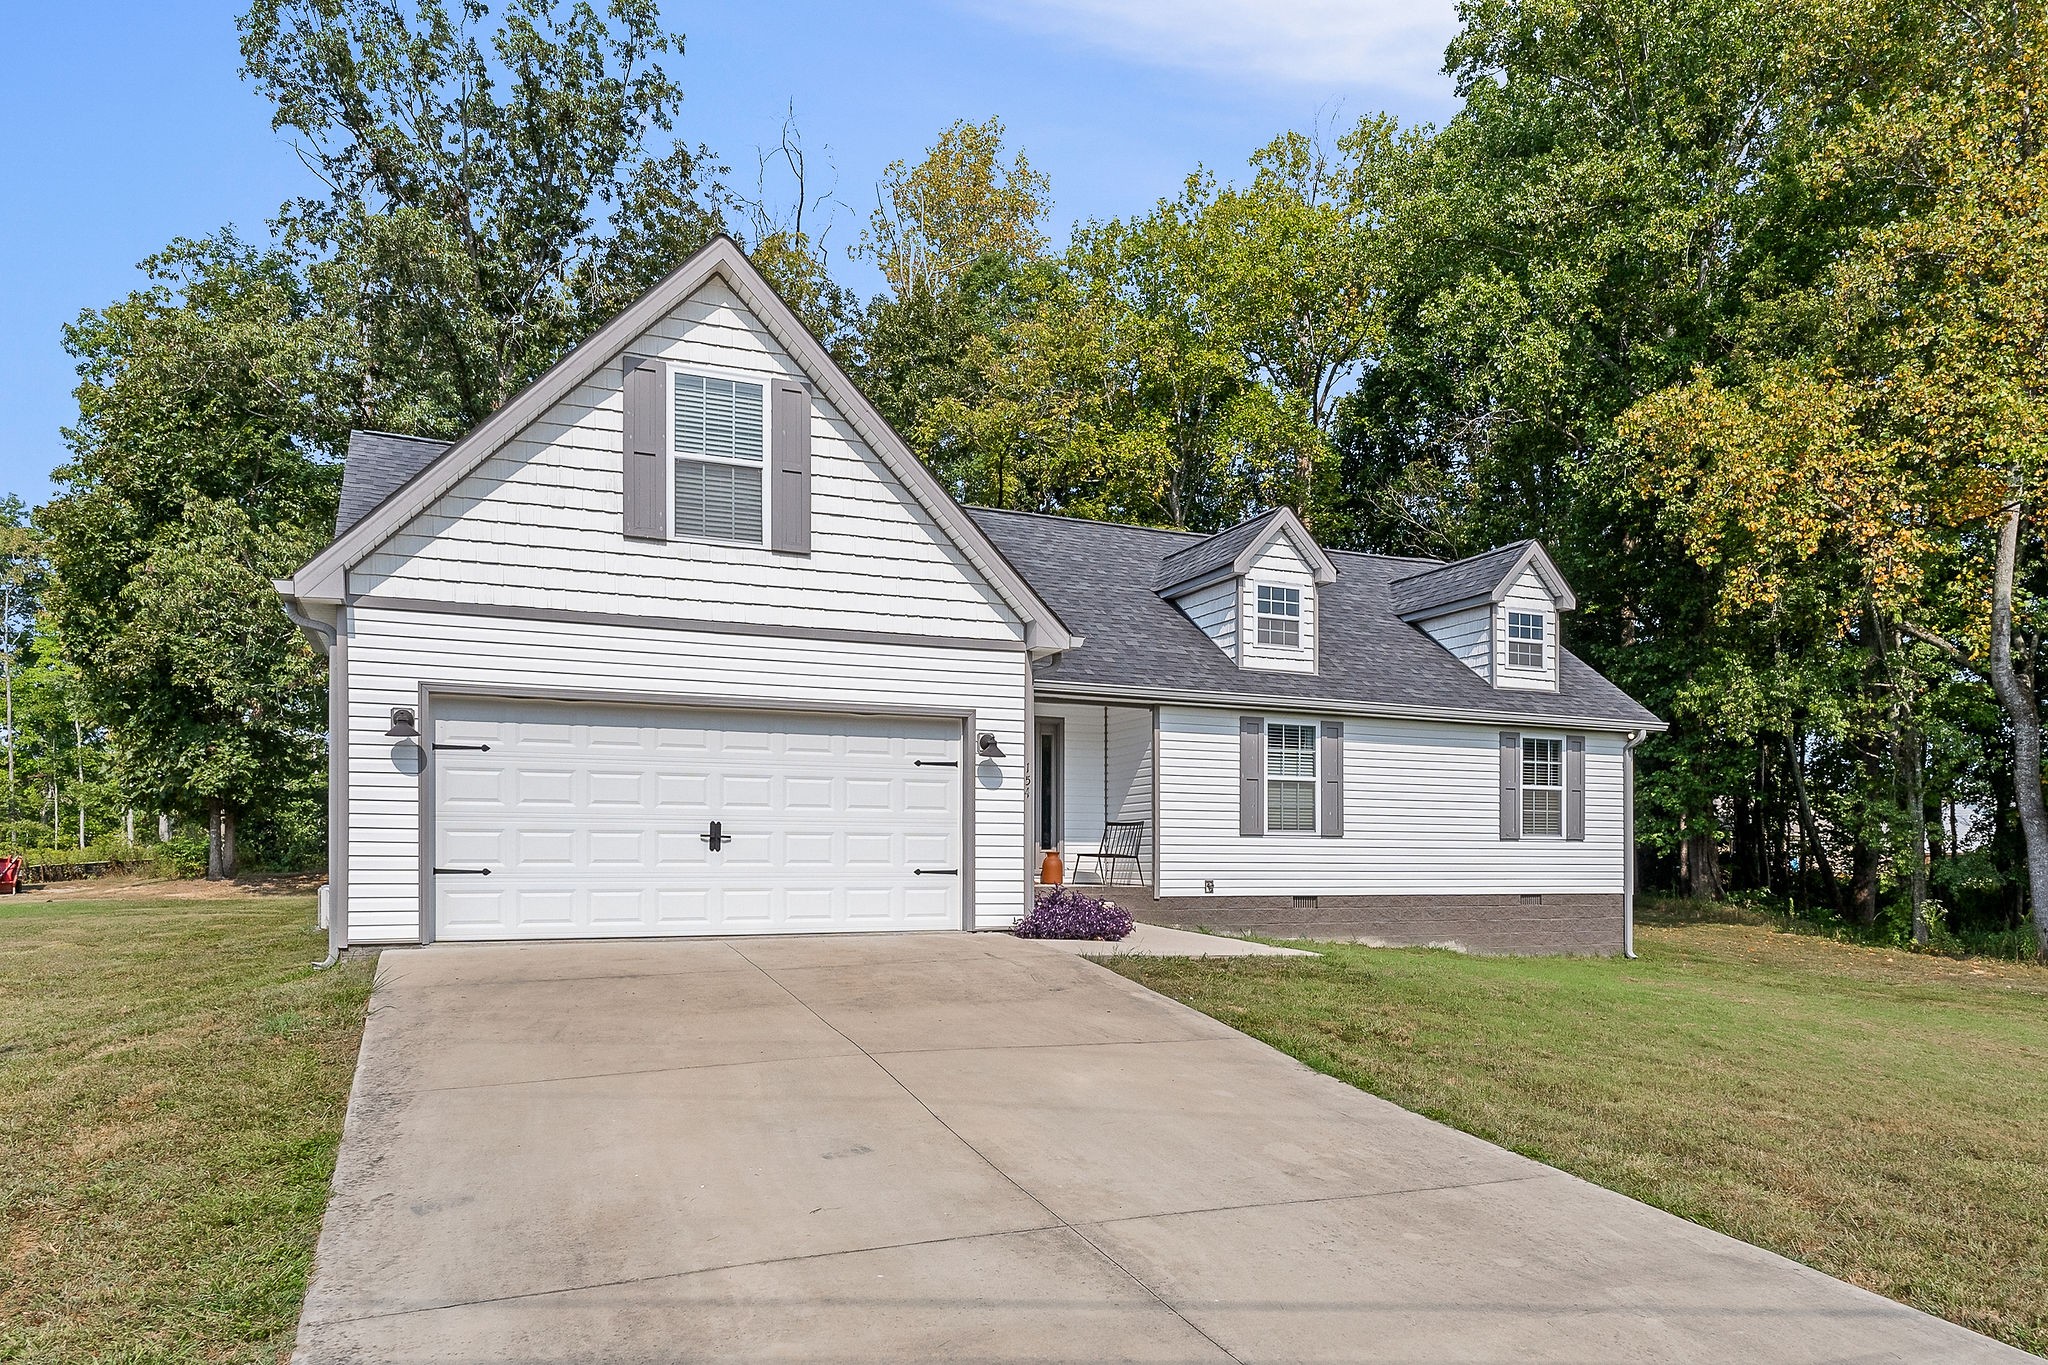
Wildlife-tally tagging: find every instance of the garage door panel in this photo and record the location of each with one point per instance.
(472, 847)
(541, 788)
(543, 907)
(593, 816)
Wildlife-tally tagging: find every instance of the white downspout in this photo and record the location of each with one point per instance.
(1628, 842)
(326, 638)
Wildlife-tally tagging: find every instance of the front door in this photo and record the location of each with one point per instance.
(1049, 813)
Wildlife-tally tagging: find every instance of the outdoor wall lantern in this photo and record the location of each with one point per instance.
(402, 726)
(986, 744)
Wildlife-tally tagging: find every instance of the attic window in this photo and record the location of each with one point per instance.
(1279, 616)
(1525, 639)
(720, 437)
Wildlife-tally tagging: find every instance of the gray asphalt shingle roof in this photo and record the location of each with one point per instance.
(378, 464)
(1206, 554)
(1098, 576)
(1459, 581)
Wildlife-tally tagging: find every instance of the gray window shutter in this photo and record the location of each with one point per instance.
(789, 499)
(1251, 776)
(644, 488)
(1510, 785)
(1575, 786)
(1330, 776)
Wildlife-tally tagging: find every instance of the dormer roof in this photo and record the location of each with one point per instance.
(1482, 578)
(1231, 553)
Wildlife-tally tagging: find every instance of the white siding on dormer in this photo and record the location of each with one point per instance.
(1281, 564)
(1468, 635)
(1214, 609)
(1527, 595)
(538, 523)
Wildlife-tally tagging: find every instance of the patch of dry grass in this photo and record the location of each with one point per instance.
(1876, 1114)
(172, 1080)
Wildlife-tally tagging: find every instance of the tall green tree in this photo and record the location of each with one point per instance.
(210, 405)
(467, 165)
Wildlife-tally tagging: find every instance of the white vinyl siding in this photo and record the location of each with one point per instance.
(1468, 636)
(1421, 816)
(1290, 777)
(718, 435)
(1526, 597)
(1214, 610)
(537, 524)
(1278, 565)
(392, 653)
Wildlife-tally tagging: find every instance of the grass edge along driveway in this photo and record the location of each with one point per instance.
(173, 1076)
(1874, 1114)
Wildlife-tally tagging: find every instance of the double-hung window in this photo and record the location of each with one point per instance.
(1542, 788)
(1279, 616)
(720, 443)
(1290, 777)
(1525, 639)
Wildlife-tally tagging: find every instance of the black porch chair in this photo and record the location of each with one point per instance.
(1121, 840)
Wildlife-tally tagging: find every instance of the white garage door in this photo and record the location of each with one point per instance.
(589, 820)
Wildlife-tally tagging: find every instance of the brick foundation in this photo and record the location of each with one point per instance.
(1584, 925)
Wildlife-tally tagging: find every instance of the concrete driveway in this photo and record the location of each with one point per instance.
(966, 1147)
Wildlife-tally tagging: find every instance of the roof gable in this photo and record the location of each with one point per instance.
(1231, 553)
(394, 505)
(1480, 578)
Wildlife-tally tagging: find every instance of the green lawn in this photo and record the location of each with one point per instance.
(1881, 1116)
(172, 1081)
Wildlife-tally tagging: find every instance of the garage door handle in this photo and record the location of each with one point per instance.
(462, 872)
(473, 748)
(934, 871)
(935, 763)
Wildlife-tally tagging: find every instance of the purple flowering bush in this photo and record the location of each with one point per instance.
(1063, 912)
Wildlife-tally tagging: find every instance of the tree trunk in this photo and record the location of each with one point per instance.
(1809, 829)
(1911, 750)
(213, 841)
(1701, 866)
(163, 827)
(230, 863)
(2017, 697)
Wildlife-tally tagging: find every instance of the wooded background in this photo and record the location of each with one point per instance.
(1740, 307)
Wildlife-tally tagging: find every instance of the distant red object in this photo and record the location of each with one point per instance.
(10, 876)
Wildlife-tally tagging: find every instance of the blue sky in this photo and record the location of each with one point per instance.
(127, 124)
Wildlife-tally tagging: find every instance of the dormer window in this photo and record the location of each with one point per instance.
(1279, 616)
(1525, 639)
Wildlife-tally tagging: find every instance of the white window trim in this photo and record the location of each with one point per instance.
(1563, 760)
(1300, 618)
(1545, 621)
(1313, 780)
(672, 368)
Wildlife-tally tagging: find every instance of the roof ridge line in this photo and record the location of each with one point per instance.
(1454, 563)
(404, 435)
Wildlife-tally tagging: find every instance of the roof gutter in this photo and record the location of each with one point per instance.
(1326, 706)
